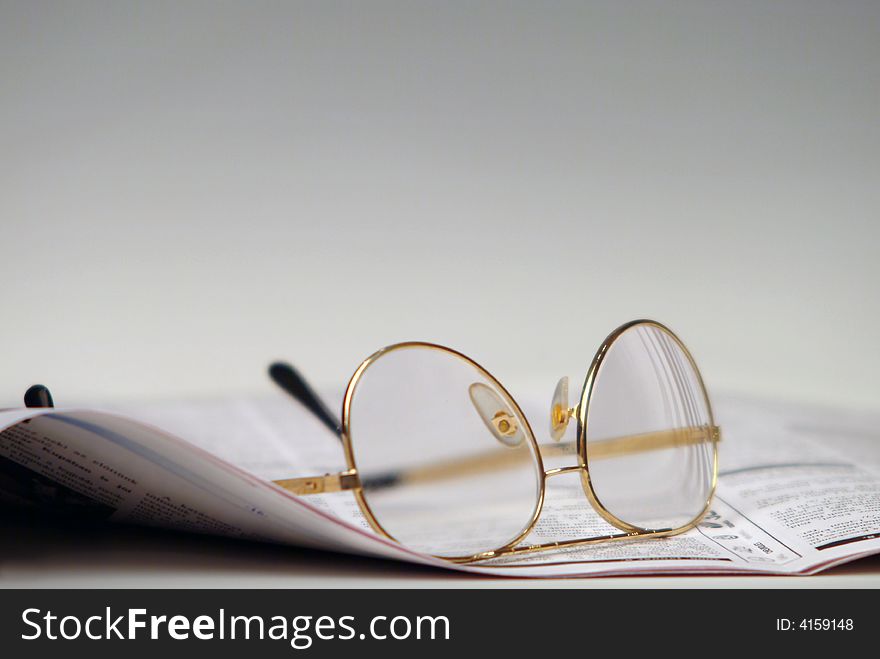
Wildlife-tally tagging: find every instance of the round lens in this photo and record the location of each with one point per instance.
(447, 462)
(650, 439)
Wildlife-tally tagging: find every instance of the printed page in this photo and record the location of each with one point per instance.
(109, 467)
(738, 534)
(798, 490)
(808, 477)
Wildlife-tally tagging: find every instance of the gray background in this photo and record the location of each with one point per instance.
(188, 190)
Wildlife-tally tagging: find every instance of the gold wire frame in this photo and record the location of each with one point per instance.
(349, 479)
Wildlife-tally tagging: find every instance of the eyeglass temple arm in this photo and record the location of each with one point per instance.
(483, 462)
(292, 382)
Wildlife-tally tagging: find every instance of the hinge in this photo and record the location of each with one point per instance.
(346, 480)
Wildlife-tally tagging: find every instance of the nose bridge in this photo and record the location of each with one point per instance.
(556, 471)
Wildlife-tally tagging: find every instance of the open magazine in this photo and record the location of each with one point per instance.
(798, 488)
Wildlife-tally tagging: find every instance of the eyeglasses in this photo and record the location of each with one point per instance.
(442, 459)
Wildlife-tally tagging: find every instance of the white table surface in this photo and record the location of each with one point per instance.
(48, 554)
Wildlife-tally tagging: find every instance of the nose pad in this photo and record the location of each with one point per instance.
(496, 414)
(559, 411)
